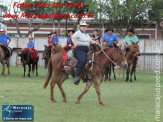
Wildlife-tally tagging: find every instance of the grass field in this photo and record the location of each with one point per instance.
(125, 102)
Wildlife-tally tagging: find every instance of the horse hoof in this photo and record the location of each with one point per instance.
(77, 102)
(135, 78)
(53, 101)
(102, 104)
(130, 80)
(64, 100)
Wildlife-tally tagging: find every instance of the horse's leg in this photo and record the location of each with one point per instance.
(29, 70)
(8, 65)
(52, 84)
(59, 83)
(127, 73)
(24, 65)
(88, 85)
(131, 72)
(3, 70)
(134, 73)
(109, 71)
(106, 74)
(113, 71)
(36, 68)
(96, 85)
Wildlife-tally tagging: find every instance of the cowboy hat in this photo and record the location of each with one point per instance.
(131, 30)
(2, 30)
(109, 29)
(83, 23)
(71, 31)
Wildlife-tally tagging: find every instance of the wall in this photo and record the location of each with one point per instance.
(146, 61)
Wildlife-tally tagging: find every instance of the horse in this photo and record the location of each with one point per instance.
(100, 61)
(132, 58)
(27, 60)
(108, 72)
(4, 60)
(46, 54)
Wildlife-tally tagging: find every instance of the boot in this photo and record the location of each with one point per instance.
(76, 80)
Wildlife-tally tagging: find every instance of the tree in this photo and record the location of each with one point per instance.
(156, 14)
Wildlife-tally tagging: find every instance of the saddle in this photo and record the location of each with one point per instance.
(33, 53)
(7, 50)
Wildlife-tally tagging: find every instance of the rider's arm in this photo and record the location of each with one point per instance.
(9, 40)
(74, 41)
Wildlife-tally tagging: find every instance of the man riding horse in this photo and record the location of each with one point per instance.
(5, 51)
(131, 52)
(108, 39)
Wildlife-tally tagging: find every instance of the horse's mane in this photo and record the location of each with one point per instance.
(100, 51)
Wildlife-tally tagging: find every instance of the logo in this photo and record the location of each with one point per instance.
(17, 112)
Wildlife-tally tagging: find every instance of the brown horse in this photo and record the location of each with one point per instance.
(4, 60)
(132, 58)
(100, 61)
(46, 54)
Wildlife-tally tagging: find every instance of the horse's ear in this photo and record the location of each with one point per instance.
(137, 42)
(132, 42)
(45, 46)
(114, 45)
(120, 46)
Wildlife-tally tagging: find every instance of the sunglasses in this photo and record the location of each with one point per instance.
(83, 26)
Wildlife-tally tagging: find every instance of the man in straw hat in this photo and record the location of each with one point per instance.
(4, 42)
(81, 41)
(4, 38)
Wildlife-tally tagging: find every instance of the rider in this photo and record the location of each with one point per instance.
(129, 39)
(50, 44)
(109, 38)
(55, 38)
(69, 40)
(3, 41)
(81, 41)
(32, 51)
(96, 36)
(4, 37)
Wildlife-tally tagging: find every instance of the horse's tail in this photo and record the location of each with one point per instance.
(33, 67)
(49, 74)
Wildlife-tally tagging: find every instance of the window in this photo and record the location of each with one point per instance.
(144, 36)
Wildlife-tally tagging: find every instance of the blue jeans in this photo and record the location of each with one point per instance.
(81, 55)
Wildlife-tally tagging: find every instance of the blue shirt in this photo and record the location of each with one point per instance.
(112, 38)
(55, 39)
(30, 45)
(3, 39)
(69, 41)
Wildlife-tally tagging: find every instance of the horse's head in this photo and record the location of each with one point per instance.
(47, 52)
(56, 49)
(135, 48)
(118, 55)
(23, 56)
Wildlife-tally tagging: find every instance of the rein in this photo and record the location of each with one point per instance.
(107, 55)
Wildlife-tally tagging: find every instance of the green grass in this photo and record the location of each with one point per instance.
(125, 102)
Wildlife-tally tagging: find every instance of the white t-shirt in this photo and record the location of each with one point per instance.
(82, 39)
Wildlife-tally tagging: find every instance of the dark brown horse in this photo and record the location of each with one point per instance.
(60, 75)
(27, 60)
(46, 54)
(132, 58)
(4, 60)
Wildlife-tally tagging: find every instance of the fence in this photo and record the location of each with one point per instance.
(146, 61)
